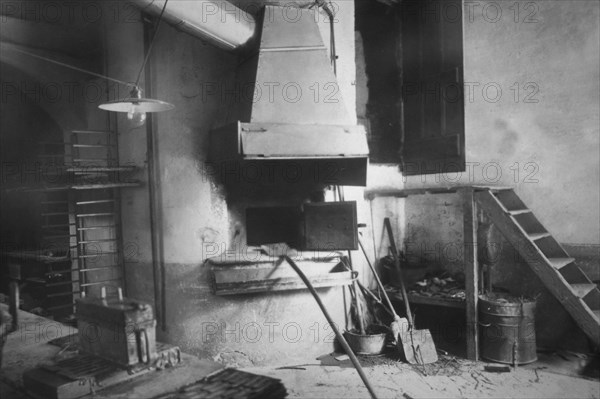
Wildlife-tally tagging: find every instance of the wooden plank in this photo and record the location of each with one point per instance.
(556, 284)
(510, 200)
(94, 169)
(283, 140)
(551, 248)
(36, 255)
(401, 193)
(574, 275)
(471, 269)
(592, 299)
(582, 290)
(493, 189)
(559, 263)
(283, 284)
(106, 132)
(519, 211)
(269, 271)
(538, 236)
(530, 224)
(416, 299)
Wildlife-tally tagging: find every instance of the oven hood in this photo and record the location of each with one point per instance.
(289, 107)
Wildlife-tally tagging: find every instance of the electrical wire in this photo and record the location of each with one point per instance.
(69, 66)
(137, 81)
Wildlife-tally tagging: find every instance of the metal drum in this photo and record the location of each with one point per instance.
(507, 329)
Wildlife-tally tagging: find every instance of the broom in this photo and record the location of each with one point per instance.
(359, 311)
(359, 317)
(396, 325)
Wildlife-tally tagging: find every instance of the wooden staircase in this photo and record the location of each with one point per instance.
(548, 259)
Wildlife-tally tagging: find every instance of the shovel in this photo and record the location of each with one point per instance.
(396, 327)
(417, 345)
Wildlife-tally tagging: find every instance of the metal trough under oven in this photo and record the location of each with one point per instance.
(234, 274)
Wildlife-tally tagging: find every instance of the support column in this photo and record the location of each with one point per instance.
(471, 269)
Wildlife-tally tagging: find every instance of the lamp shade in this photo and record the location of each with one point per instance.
(143, 105)
(137, 102)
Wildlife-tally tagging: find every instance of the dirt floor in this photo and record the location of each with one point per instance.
(450, 377)
(556, 374)
(553, 376)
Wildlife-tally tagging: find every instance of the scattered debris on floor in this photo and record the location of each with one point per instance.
(450, 377)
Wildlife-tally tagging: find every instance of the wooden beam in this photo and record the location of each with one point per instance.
(471, 269)
(402, 193)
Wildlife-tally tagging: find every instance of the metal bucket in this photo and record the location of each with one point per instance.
(507, 329)
(371, 344)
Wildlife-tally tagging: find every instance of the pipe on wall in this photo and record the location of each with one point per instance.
(216, 21)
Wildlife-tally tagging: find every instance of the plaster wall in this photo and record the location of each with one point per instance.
(259, 328)
(543, 130)
(193, 215)
(531, 116)
(532, 123)
(531, 110)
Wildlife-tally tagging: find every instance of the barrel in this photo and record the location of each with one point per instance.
(507, 329)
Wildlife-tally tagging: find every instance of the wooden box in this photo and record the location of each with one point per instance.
(122, 331)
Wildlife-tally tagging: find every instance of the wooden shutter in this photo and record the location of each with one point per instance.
(432, 87)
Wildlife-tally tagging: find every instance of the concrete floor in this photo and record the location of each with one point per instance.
(451, 377)
(554, 375)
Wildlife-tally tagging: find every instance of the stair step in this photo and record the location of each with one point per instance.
(519, 211)
(582, 290)
(570, 285)
(559, 263)
(510, 200)
(493, 189)
(529, 223)
(537, 236)
(551, 248)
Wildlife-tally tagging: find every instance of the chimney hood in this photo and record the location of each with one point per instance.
(289, 107)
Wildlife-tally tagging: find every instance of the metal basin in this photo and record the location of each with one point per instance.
(369, 344)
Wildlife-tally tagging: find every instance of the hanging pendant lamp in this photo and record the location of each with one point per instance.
(135, 105)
